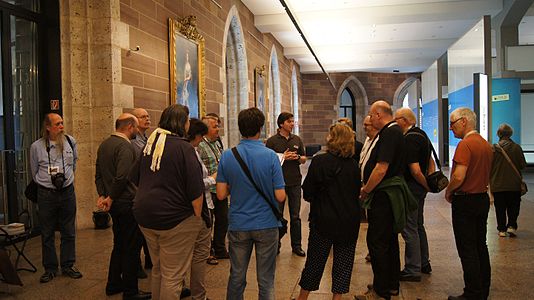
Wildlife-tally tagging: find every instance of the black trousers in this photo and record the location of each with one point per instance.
(127, 240)
(383, 244)
(507, 204)
(318, 250)
(469, 222)
(220, 229)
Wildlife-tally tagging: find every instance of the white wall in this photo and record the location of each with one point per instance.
(527, 125)
(520, 58)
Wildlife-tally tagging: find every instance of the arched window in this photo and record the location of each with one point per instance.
(295, 102)
(346, 105)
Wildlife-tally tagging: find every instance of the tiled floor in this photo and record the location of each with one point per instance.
(512, 261)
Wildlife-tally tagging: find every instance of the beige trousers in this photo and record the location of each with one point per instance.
(171, 251)
(198, 265)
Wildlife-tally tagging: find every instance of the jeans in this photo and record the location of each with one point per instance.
(127, 241)
(57, 208)
(293, 193)
(469, 222)
(507, 203)
(383, 244)
(240, 247)
(414, 235)
(220, 227)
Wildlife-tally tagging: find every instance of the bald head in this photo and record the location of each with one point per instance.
(126, 124)
(381, 114)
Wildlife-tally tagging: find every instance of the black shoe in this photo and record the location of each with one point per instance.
(111, 291)
(391, 292)
(139, 296)
(223, 255)
(461, 297)
(409, 277)
(298, 251)
(141, 274)
(72, 272)
(426, 269)
(47, 276)
(186, 292)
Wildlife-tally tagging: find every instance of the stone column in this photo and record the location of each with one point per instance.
(91, 40)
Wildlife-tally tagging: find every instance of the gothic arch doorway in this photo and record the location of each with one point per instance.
(236, 72)
(274, 93)
(407, 94)
(353, 87)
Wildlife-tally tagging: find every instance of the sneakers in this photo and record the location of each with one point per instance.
(72, 272)
(502, 234)
(511, 231)
(369, 295)
(47, 276)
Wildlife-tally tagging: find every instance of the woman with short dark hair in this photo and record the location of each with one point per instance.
(505, 182)
(168, 203)
(332, 187)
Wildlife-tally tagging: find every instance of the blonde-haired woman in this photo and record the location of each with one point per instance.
(332, 187)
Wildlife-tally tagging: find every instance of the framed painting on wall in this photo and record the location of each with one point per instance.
(259, 88)
(186, 64)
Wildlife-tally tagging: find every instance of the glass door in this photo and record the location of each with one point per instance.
(19, 111)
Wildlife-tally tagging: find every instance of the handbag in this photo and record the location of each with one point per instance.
(437, 181)
(31, 191)
(281, 230)
(524, 188)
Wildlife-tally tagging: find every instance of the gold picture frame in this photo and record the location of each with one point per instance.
(186, 65)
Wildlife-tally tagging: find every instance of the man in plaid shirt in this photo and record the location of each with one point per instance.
(210, 151)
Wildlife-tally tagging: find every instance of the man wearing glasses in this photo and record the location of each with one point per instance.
(467, 192)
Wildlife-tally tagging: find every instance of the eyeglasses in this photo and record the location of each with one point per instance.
(144, 117)
(454, 122)
(399, 118)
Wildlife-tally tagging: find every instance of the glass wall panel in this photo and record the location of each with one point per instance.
(32, 5)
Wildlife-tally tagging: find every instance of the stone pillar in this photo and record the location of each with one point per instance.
(91, 40)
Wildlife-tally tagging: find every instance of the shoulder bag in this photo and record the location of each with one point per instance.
(281, 230)
(524, 188)
(437, 181)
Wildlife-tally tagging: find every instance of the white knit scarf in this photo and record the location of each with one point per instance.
(158, 150)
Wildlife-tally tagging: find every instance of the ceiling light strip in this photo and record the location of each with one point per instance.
(288, 11)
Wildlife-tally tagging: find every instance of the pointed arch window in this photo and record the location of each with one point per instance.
(346, 105)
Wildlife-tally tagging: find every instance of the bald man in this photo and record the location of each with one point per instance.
(418, 164)
(53, 162)
(116, 192)
(384, 164)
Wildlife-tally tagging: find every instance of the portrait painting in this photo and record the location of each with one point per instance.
(259, 88)
(186, 55)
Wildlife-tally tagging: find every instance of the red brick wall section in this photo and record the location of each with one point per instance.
(318, 98)
(148, 69)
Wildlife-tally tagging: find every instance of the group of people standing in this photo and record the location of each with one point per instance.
(164, 190)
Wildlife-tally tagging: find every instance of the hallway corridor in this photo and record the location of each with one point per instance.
(512, 261)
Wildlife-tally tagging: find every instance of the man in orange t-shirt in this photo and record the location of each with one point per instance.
(467, 192)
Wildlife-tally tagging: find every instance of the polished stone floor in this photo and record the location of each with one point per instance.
(512, 261)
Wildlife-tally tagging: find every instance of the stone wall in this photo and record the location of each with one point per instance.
(102, 77)
(320, 101)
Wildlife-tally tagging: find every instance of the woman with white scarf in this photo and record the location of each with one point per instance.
(168, 203)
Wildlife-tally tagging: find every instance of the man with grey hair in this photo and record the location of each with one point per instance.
(467, 192)
(418, 162)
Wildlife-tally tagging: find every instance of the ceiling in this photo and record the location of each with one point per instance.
(374, 36)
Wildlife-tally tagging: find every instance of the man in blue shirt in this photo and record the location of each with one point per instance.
(252, 222)
(53, 162)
